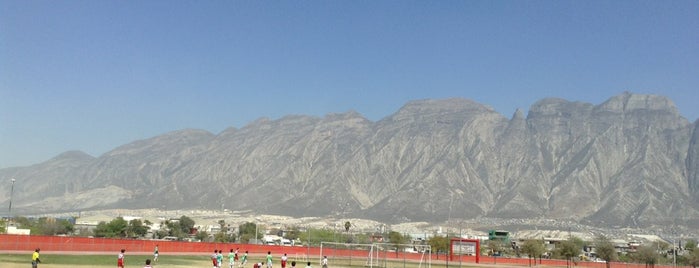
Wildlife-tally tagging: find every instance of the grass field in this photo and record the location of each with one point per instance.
(63, 261)
(177, 261)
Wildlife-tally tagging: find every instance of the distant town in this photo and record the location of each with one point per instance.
(250, 228)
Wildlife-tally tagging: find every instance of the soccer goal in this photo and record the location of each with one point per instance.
(377, 255)
(464, 247)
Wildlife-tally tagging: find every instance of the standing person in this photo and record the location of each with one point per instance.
(219, 258)
(214, 258)
(324, 262)
(284, 258)
(231, 258)
(308, 265)
(235, 256)
(120, 258)
(269, 259)
(293, 264)
(244, 260)
(35, 258)
(155, 253)
(147, 264)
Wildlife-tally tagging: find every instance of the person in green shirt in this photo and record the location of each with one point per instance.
(244, 260)
(269, 259)
(219, 258)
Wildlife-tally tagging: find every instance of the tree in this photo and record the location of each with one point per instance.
(246, 232)
(186, 224)
(496, 247)
(439, 244)
(605, 249)
(316, 235)
(174, 229)
(690, 245)
(65, 227)
(163, 231)
(224, 235)
(202, 236)
(45, 225)
(119, 226)
(662, 246)
(396, 239)
(101, 230)
(52, 226)
(569, 249)
(136, 228)
(293, 233)
(534, 248)
(116, 228)
(648, 255)
(693, 256)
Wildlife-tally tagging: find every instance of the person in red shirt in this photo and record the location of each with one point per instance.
(120, 258)
(214, 258)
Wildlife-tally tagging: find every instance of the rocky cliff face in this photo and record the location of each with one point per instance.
(630, 161)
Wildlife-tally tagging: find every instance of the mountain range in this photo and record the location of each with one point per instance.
(630, 161)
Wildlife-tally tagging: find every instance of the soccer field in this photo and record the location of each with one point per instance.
(174, 261)
(77, 260)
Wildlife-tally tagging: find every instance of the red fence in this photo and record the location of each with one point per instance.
(83, 244)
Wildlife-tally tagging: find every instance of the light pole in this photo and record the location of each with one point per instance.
(308, 246)
(12, 191)
(674, 249)
(257, 223)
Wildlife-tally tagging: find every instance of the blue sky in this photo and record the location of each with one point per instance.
(93, 75)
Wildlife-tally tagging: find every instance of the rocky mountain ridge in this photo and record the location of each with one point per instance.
(630, 161)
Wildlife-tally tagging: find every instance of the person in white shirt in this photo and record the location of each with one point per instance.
(120, 259)
(284, 258)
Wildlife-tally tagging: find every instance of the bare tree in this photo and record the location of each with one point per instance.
(605, 249)
(534, 248)
(648, 255)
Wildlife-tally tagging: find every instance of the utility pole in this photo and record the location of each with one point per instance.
(12, 191)
(308, 248)
(674, 249)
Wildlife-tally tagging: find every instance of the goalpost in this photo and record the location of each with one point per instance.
(464, 247)
(376, 255)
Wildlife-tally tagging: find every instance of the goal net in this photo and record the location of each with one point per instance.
(379, 255)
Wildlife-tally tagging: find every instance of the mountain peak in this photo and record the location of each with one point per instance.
(629, 102)
(557, 107)
(518, 115)
(445, 104)
(73, 155)
(441, 107)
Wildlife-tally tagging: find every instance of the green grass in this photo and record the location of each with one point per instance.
(193, 261)
(99, 260)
